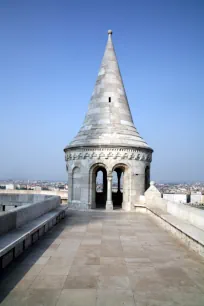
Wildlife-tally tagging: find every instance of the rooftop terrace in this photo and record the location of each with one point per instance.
(105, 258)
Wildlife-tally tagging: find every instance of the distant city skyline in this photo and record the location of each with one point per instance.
(65, 181)
(50, 56)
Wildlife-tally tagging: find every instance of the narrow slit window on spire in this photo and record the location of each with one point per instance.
(109, 99)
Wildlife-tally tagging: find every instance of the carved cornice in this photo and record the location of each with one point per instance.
(109, 153)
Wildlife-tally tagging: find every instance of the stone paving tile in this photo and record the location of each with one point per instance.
(17, 298)
(175, 276)
(115, 298)
(40, 297)
(48, 282)
(65, 253)
(84, 270)
(92, 235)
(161, 298)
(134, 252)
(106, 237)
(187, 298)
(146, 282)
(89, 250)
(112, 261)
(81, 282)
(138, 260)
(96, 258)
(60, 261)
(114, 282)
(56, 269)
(113, 270)
(73, 297)
(91, 241)
(136, 269)
(90, 259)
(111, 249)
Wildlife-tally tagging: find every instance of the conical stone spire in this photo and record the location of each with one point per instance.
(108, 120)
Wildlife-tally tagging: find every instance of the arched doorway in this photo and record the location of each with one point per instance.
(147, 178)
(98, 185)
(117, 187)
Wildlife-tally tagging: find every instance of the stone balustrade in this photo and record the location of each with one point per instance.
(37, 206)
(184, 221)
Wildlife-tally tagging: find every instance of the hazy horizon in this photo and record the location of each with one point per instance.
(50, 56)
(55, 180)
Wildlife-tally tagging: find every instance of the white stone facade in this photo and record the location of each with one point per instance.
(133, 163)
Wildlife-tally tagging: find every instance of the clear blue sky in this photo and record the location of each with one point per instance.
(50, 55)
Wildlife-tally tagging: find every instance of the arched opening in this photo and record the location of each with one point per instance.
(147, 178)
(101, 187)
(117, 187)
(98, 187)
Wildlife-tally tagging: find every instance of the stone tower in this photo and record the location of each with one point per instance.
(107, 141)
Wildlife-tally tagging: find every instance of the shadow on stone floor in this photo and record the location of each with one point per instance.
(25, 267)
(12, 275)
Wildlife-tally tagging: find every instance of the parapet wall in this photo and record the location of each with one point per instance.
(61, 193)
(7, 198)
(177, 198)
(194, 216)
(21, 215)
(184, 198)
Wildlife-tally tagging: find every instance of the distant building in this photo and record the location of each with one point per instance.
(38, 188)
(10, 186)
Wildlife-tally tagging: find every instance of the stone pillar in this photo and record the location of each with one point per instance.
(92, 186)
(109, 203)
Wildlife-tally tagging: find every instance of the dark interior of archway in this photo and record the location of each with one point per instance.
(147, 178)
(101, 187)
(117, 188)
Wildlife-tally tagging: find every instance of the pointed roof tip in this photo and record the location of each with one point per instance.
(110, 32)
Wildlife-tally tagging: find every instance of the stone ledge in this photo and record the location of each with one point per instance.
(16, 241)
(190, 235)
(18, 217)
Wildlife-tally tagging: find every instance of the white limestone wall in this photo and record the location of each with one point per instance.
(20, 216)
(29, 212)
(37, 193)
(177, 198)
(133, 161)
(196, 198)
(184, 212)
(193, 215)
(12, 197)
(182, 198)
(142, 200)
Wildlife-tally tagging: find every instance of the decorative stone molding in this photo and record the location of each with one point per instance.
(109, 153)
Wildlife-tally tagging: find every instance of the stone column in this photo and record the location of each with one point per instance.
(109, 203)
(92, 186)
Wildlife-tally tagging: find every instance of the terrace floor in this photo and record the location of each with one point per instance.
(105, 259)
